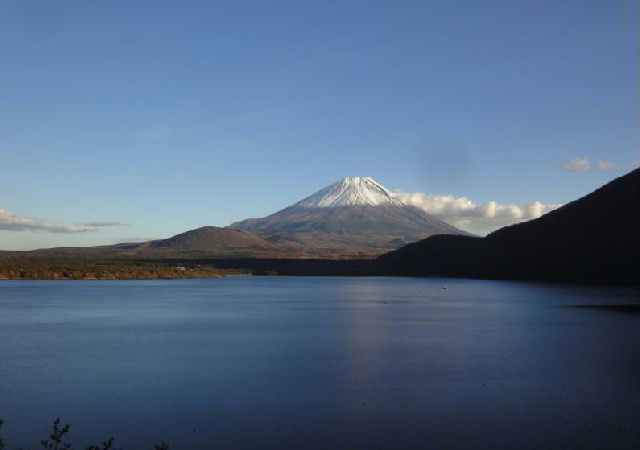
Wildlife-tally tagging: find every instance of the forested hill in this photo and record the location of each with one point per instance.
(594, 238)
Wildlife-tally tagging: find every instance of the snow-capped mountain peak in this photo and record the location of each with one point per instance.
(351, 191)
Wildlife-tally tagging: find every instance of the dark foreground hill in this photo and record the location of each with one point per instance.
(594, 239)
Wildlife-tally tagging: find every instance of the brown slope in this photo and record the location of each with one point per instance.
(594, 238)
(209, 240)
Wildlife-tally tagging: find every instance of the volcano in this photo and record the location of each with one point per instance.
(354, 217)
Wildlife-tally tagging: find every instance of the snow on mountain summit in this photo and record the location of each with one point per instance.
(351, 191)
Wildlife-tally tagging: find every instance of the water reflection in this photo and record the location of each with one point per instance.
(319, 362)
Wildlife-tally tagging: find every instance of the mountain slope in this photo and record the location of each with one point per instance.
(355, 217)
(207, 240)
(594, 238)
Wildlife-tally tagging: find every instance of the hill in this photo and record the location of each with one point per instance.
(595, 238)
(206, 240)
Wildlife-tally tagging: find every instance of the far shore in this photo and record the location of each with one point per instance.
(625, 308)
(76, 268)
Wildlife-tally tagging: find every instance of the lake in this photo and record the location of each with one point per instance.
(319, 363)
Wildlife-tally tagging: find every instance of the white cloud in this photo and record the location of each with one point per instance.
(606, 165)
(582, 164)
(467, 215)
(577, 165)
(11, 222)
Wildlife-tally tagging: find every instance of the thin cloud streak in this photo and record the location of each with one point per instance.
(134, 240)
(11, 222)
(162, 132)
(105, 224)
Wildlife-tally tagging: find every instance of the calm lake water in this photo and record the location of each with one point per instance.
(306, 363)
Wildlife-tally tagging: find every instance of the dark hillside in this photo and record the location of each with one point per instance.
(595, 238)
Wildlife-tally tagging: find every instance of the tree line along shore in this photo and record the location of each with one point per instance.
(87, 269)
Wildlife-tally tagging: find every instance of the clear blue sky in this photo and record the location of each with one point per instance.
(170, 115)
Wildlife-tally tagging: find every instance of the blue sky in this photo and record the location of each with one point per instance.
(126, 120)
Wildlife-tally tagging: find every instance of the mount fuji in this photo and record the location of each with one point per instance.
(354, 217)
(351, 191)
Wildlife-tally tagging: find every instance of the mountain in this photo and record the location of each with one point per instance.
(354, 217)
(595, 238)
(206, 241)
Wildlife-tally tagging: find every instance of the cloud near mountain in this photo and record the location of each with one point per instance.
(477, 218)
(11, 222)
